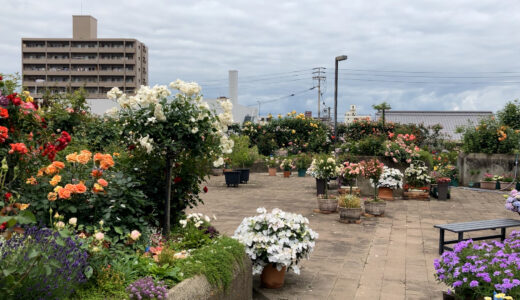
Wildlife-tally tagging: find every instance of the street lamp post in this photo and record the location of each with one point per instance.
(338, 59)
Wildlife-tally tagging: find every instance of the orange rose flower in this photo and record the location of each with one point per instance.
(96, 173)
(80, 188)
(98, 156)
(70, 187)
(107, 162)
(55, 180)
(52, 196)
(64, 194)
(31, 181)
(102, 182)
(40, 172)
(51, 169)
(73, 157)
(84, 157)
(58, 164)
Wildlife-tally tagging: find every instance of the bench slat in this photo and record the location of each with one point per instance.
(479, 225)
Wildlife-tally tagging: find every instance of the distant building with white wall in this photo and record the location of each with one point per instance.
(351, 115)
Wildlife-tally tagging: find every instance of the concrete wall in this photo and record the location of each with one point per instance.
(497, 164)
(198, 287)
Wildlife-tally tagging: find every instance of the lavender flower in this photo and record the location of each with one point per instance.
(146, 288)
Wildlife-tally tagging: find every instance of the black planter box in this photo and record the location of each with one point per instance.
(244, 175)
(232, 178)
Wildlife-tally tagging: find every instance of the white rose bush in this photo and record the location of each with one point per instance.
(279, 238)
(177, 137)
(417, 175)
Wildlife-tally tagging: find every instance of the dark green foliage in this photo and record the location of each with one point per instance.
(510, 114)
(490, 137)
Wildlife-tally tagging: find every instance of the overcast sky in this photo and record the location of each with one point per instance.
(415, 55)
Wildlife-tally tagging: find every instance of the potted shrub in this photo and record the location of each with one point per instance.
(417, 181)
(507, 182)
(349, 209)
(372, 169)
(323, 168)
(303, 161)
(488, 182)
(390, 180)
(243, 157)
(271, 163)
(471, 183)
(348, 174)
(276, 242)
(287, 165)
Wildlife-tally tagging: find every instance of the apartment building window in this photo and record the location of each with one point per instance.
(129, 79)
(111, 78)
(84, 44)
(129, 45)
(84, 68)
(111, 44)
(57, 44)
(58, 78)
(34, 55)
(34, 44)
(58, 56)
(114, 68)
(84, 79)
(58, 68)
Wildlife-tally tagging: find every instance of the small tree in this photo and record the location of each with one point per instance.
(382, 107)
(510, 115)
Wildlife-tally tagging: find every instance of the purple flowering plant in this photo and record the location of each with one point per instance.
(41, 264)
(147, 288)
(513, 201)
(479, 269)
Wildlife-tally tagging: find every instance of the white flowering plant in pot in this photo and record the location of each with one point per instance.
(323, 168)
(279, 238)
(180, 139)
(390, 178)
(417, 175)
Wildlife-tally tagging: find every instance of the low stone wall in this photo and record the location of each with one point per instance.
(198, 287)
(472, 166)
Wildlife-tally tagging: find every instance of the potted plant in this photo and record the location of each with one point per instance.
(488, 182)
(451, 171)
(349, 209)
(303, 161)
(372, 169)
(322, 168)
(287, 165)
(243, 156)
(232, 178)
(348, 174)
(471, 183)
(417, 181)
(276, 242)
(507, 182)
(442, 187)
(271, 163)
(390, 180)
(227, 165)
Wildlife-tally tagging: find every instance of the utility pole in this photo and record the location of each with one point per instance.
(319, 74)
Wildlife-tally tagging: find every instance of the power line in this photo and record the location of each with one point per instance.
(433, 72)
(436, 77)
(262, 75)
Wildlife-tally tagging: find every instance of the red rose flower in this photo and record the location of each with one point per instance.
(1, 78)
(4, 225)
(7, 196)
(205, 189)
(4, 113)
(177, 179)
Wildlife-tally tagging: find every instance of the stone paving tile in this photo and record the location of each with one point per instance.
(382, 258)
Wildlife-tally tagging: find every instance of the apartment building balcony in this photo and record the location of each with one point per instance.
(86, 72)
(83, 61)
(83, 83)
(111, 72)
(50, 72)
(58, 61)
(34, 60)
(111, 49)
(112, 61)
(111, 83)
(84, 49)
(26, 49)
(33, 72)
(58, 49)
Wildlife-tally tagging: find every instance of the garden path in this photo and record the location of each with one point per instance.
(382, 258)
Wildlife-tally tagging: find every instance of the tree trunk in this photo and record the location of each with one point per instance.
(167, 195)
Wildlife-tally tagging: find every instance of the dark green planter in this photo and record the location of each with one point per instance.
(320, 186)
(454, 182)
(301, 172)
(232, 178)
(442, 190)
(497, 186)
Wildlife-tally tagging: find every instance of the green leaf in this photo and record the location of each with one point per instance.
(60, 242)
(118, 230)
(26, 217)
(88, 271)
(48, 270)
(33, 253)
(73, 209)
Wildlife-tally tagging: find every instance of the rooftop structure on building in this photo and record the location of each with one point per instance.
(449, 120)
(96, 64)
(351, 115)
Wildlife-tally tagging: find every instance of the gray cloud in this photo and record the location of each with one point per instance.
(202, 40)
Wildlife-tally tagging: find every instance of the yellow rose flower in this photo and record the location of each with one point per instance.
(52, 196)
(293, 131)
(55, 180)
(58, 188)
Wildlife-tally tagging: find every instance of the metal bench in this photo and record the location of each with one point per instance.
(460, 228)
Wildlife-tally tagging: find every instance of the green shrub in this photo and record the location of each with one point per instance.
(490, 137)
(242, 156)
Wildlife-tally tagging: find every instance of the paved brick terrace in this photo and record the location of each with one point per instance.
(381, 258)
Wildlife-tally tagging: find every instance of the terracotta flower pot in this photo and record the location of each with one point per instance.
(272, 171)
(488, 185)
(272, 278)
(327, 205)
(286, 174)
(385, 193)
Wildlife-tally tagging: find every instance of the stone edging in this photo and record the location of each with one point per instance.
(198, 287)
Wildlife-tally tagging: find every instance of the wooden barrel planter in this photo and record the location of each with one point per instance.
(376, 208)
(488, 185)
(416, 195)
(350, 215)
(327, 205)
